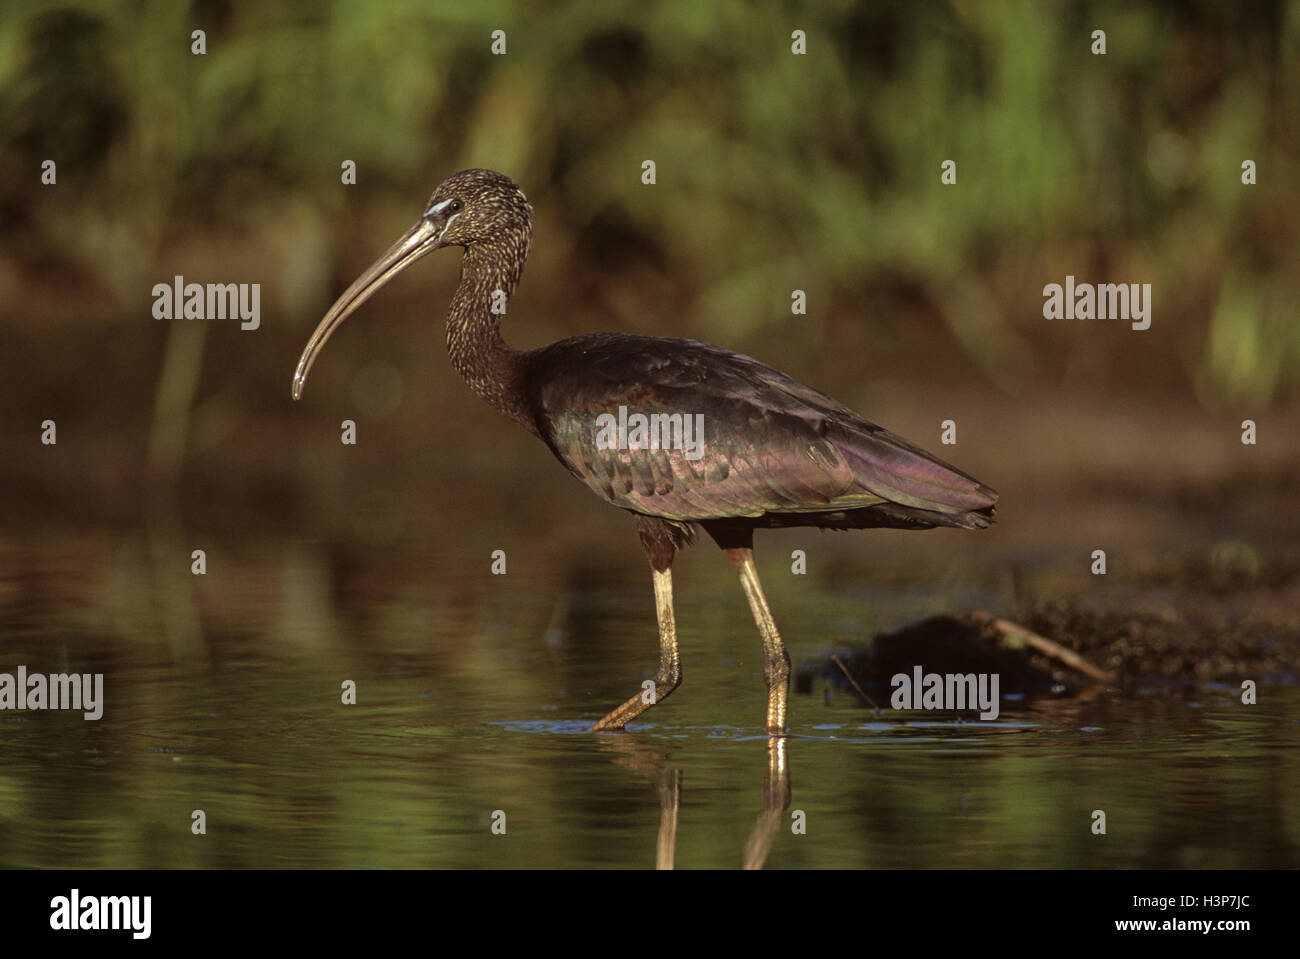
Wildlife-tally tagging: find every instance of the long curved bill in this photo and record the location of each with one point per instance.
(416, 242)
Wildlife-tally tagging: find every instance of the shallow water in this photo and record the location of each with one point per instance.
(223, 694)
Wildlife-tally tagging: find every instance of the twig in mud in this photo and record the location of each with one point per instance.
(836, 660)
(1020, 635)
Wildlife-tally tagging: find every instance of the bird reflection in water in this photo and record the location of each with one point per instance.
(652, 761)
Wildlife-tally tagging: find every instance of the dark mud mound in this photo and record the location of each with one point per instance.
(1122, 639)
(975, 643)
(1177, 645)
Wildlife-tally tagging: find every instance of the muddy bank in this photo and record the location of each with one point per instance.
(1198, 623)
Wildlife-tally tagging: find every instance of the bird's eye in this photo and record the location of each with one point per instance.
(453, 206)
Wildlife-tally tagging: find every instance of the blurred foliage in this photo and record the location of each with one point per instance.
(775, 172)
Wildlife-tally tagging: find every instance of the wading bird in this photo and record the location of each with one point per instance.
(774, 452)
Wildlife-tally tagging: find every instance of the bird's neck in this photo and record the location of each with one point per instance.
(489, 274)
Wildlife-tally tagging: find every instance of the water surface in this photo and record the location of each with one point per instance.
(224, 694)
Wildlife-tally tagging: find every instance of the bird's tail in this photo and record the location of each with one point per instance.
(916, 484)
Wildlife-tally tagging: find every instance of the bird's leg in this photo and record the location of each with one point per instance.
(776, 662)
(660, 539)
(670, 670)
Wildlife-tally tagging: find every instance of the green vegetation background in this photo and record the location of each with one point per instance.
(775, 172)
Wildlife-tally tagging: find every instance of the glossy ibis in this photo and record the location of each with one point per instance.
(773, 453)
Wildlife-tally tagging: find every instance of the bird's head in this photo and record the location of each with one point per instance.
(478, 205)
(469, 208)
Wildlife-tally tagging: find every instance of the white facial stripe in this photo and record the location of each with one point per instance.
(437, 208)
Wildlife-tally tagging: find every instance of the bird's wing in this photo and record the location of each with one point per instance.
(769, 443)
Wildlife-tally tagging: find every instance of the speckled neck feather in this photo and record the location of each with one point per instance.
(489, 365)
